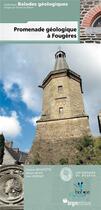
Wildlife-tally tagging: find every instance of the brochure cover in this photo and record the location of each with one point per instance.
(50, 104)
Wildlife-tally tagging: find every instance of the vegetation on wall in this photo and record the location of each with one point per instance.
(89, 151)
(85, 151)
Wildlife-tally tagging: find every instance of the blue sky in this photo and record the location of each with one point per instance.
(23, 67)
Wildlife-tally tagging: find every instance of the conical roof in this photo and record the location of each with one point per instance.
(60, 62)
(61, 68)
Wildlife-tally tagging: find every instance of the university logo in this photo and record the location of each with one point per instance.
(66, 174)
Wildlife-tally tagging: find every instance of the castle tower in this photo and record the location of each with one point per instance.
(63, 117)
(62, 92)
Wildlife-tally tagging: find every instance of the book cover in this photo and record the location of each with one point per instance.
(50, 104)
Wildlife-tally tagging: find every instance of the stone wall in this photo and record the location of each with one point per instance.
(56, 140)
(89, 10)
(76, 99)
(69, 98)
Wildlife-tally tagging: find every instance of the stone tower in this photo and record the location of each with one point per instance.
(63, 120)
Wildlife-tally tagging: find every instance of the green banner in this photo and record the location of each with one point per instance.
(20, 11)
(62, 187)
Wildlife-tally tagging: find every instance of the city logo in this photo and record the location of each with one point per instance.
(80, 189)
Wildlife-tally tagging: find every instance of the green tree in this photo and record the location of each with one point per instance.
(2, 144)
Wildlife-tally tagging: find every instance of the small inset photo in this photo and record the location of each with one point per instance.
(90, 21)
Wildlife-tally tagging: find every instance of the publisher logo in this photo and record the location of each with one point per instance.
(75, 203)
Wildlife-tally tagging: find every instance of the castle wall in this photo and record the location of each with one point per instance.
(56, 140)
(69, 98)
(76, 99)
(62, 129)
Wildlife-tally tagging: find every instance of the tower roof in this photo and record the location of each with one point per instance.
(60, 62)
(61, 69)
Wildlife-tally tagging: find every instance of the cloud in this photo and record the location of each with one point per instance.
(31, 63)
(12, 90)
(22, 70)
(2, 111)
(27, 150)
(29, 98)
(10, 125)
(33, 120)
